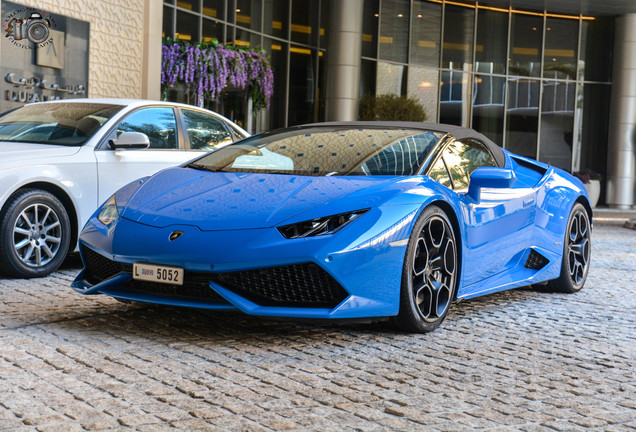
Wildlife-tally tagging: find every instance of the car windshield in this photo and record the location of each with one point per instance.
(70, 124)
(321, 151)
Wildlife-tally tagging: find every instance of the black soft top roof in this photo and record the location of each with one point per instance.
(457, 131)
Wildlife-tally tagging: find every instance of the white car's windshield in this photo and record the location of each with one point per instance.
(70, 124)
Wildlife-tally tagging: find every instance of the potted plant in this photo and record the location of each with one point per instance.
(592, 181)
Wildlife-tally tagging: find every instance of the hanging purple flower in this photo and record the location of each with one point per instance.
(206, 69)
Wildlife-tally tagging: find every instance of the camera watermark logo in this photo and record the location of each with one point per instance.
(28, 25)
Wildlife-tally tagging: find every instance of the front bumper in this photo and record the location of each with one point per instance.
(355, 273)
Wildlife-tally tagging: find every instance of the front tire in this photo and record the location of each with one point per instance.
(430, 274)
(35, 234)
(577, 248)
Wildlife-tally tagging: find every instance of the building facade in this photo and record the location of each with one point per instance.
(549, 80)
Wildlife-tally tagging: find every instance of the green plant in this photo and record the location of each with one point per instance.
(391, 107)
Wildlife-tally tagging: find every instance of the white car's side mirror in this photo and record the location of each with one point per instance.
(130, 140)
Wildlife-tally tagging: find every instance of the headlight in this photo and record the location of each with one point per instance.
(109, 213)
(321, 226)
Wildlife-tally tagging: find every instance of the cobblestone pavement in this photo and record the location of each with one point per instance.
(522, 360)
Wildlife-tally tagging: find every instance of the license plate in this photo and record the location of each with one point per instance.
(157, 273)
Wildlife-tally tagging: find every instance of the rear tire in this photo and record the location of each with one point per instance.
(430, 273)
(577, 248)
(35, 234)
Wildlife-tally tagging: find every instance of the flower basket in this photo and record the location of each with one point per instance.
(592, 181)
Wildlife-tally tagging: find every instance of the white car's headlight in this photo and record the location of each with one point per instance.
(320, 226)
(109, 213)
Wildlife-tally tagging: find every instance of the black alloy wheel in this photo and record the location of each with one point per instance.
(430, 274)
(577, 249)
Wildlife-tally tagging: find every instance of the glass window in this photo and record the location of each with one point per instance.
(168, 28)
(302, 82)
(248, 14)
(597, 41)
(593, 127)
(275, 116)
(459, 25)
(423, 86)
(440, 174)
(187, 27)
(368, 71)
(454, 105)
(214, 8)
(488, 106)
(69, 124)
(426, 29)
(394, 30)
(324, 23)
(304, 26)
(525, 45)
(191, 5)
(492, 38)
(370, 21)
(276, 19)
(465, 156)
(245, 38)
(557, 123)
(205, 132)
(212, 30)
(158, 124)
(561, 41)
(522, 116)
(390, 79)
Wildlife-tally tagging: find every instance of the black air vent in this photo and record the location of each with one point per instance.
(298, 285)
(536, 261)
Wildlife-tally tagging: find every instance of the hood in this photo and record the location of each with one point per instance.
(224, 201)
(16, 154)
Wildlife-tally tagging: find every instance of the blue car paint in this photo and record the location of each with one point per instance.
(495, 234)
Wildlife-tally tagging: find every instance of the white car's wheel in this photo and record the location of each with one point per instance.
(35, 234)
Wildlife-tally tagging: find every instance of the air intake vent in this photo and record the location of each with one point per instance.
(536, 261)
(298, 285)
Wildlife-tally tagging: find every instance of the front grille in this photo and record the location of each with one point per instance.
(536, 261)
(99, 268)
(298, 285)
(195, 287)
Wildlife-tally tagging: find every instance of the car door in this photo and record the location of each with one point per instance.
(119, 167)
(498, 228)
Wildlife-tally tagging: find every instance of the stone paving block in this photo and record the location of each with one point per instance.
(521, 360)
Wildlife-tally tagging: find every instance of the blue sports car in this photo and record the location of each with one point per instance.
(341, 221)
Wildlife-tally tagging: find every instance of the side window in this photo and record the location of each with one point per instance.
(205, 132)
(440, 174)
(158, 124)
(464, 157)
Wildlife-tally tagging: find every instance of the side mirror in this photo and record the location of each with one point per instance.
(490, 177)
(130, 140)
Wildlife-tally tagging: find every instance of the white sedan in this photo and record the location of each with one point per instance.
(60, 160)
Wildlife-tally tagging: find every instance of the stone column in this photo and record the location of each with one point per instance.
(344, 50)
(151, 60)
(621, 160)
